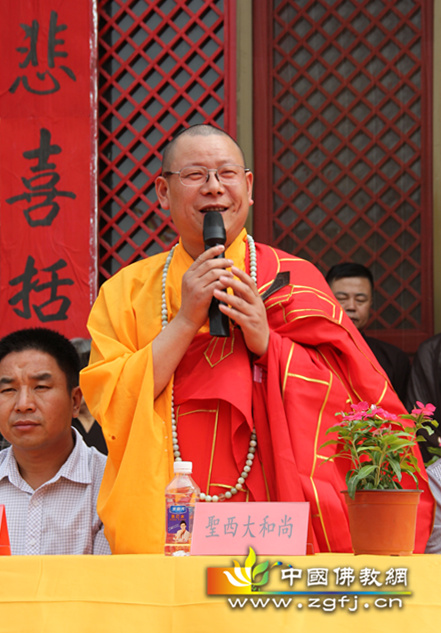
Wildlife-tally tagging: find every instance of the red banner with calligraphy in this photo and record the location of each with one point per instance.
(48, 173)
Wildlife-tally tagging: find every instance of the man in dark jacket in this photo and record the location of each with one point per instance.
(353, 285)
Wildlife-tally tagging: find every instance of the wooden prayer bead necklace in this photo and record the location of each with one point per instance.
(253, 438)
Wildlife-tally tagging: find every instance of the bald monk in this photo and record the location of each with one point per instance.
(250, 409)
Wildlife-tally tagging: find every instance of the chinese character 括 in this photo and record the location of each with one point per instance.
(29, 285)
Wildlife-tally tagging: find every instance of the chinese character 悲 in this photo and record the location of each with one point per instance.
(45, 75)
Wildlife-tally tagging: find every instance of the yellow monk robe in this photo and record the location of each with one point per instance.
(316, 365)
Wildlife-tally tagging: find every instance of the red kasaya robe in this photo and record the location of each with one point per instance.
(317, 364)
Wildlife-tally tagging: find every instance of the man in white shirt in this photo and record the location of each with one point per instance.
(49, 478)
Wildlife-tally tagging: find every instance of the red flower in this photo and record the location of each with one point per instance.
(424, 409)
(361, 407)
(382, 413)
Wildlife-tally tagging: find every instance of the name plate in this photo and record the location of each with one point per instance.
(270, 528)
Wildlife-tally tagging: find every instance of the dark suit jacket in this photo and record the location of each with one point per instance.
(395, 363)
(425, 386)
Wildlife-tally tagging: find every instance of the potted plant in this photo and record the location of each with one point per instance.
(380, 447)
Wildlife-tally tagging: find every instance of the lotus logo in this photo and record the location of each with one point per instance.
(247, 576)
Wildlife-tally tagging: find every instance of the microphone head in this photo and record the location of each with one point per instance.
(214, 230)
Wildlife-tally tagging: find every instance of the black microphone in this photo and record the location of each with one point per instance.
(214, 233)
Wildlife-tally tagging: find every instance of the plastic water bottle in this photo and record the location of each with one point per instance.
(181, 495)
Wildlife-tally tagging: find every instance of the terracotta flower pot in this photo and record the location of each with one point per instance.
(383, 522)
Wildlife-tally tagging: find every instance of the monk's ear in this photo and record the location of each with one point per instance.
(162, 192)
(249, 183)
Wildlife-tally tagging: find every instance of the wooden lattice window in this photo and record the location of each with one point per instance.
(343, 106)
(163, 64)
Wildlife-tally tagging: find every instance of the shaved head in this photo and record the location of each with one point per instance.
(194, 130)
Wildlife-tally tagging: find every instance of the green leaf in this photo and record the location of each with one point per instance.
(365, 471)
(352, 487)
(260, 568)
(396, 468)
(262, 581)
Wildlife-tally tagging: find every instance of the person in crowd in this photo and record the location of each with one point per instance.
(49, 478)
(85, 423)
(353, 287)
(425, 386)
(434, 477)
(249, 409)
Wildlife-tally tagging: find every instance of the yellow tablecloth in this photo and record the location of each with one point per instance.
(63, 594)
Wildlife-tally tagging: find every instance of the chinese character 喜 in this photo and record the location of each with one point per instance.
(43, 185)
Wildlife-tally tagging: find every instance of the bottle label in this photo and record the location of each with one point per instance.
(180, 523)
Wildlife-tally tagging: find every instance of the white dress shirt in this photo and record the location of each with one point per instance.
(434, 475)
(60, 516)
